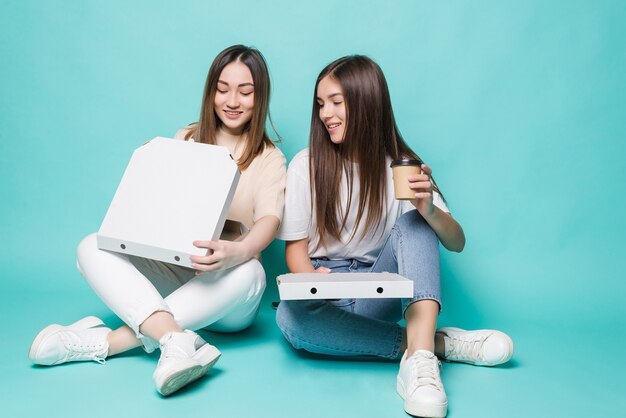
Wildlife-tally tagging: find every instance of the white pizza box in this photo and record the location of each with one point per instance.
(173, 192)
(301, 286)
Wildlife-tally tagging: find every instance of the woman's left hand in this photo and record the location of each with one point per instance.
(423, 188)
(220, 255)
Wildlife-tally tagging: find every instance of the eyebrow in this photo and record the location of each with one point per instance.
(331, 96)
(241, 85)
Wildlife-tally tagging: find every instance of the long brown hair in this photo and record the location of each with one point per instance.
(371, 134)
(206, 128)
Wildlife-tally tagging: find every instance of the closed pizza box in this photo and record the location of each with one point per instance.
(172, 193)
(301, 286)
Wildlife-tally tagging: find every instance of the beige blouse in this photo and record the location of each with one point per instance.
(260, 191)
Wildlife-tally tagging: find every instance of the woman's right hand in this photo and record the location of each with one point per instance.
(323, 270)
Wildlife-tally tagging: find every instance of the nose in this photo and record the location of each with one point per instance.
(325, 112)
(233, 101)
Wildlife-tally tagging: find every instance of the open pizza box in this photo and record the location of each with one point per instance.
(172, 193)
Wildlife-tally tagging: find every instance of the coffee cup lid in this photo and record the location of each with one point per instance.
(395, 163)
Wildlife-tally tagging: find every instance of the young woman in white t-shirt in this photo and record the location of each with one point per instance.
(341, 216)
(222, 292)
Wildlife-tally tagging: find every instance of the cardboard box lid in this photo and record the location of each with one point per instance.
(172, 193)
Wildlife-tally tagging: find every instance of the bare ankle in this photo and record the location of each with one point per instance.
(411, 349)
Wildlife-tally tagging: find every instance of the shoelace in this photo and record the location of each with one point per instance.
(85, 351)
(427, 371)
(466, 349)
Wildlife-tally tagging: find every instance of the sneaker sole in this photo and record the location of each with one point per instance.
(85, 323)
(509, 343)
(183, 377)
(420, 409)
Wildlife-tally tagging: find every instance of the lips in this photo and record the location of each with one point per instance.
(333, 126)
(232, 114)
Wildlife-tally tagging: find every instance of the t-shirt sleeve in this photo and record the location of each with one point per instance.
(297, 216)
(269, 196)
(437, 201)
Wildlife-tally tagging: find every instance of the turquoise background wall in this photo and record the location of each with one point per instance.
(519, 107)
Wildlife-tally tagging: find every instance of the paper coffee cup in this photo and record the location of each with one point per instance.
(402, 169)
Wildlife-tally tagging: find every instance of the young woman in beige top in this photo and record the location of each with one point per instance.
(156, 300)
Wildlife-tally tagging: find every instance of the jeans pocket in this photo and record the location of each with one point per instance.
(315, 262)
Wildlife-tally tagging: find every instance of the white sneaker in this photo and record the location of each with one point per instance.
(419, 384)
(83, 340)
(185, 357)
(482, 347)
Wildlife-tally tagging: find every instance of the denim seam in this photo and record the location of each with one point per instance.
(424, 296)
(398, 343)
(420, 298)
(400, 249)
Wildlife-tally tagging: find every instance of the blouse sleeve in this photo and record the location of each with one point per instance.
(269, 195)
(181, 133)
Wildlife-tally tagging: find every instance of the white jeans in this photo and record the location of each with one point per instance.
(134, 288)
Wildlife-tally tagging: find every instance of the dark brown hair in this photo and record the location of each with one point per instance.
(371, 134)
(206, 128)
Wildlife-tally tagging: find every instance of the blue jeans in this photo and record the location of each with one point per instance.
(367, 327)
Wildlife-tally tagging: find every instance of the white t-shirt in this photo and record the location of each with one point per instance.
(299, 221)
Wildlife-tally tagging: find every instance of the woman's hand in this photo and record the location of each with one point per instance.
(223, 254)
(297, 258)
(220, 255)
(423, 187)
(447, 229)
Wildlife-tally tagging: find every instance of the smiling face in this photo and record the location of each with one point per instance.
(332, 108)
(234, 97)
